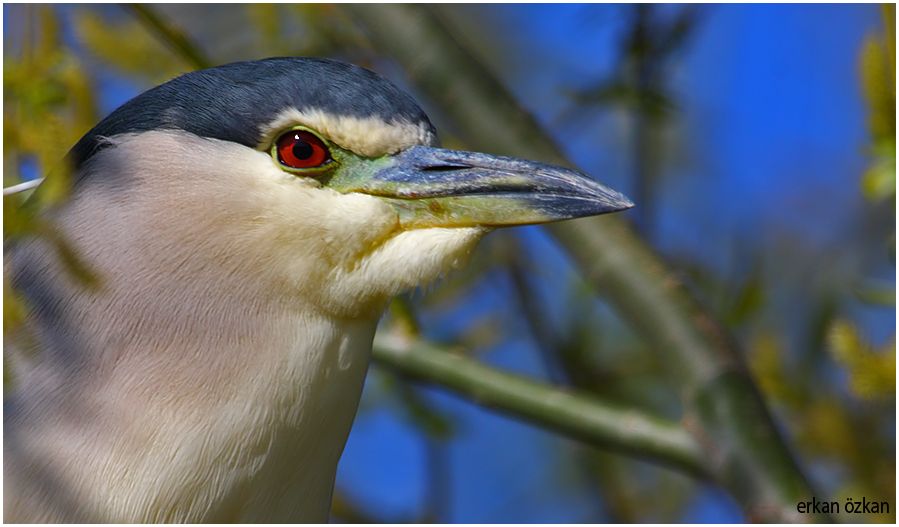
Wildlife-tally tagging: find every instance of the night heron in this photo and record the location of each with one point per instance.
(247, 225)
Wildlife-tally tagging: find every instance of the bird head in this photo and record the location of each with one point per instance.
(246, 225)
(313, 180)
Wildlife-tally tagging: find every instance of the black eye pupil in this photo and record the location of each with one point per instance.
(302, 149)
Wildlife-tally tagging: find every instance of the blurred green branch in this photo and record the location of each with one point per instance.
(569, 413)
(750, 457)
(169, 35)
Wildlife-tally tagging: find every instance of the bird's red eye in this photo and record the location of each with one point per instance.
(302, 149)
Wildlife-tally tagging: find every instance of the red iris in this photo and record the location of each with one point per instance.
(302, 149)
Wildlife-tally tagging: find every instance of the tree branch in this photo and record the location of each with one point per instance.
(750, 457)
(572, 414)
(169, 35)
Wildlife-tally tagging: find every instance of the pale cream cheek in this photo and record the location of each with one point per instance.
(406, 260)
(232, 212)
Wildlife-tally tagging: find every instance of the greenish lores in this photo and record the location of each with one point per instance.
(434, 187)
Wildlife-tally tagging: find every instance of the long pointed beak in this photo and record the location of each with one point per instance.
(435, 187)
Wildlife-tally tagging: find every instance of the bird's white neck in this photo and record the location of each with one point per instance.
(272, 441)
(244, 421)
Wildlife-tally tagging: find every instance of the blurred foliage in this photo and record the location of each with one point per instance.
(872, 372)
(49, 104)
(117, 45)
(848, 423)
(638, 80)
(651, 43)
(830, 427)
(878, 73)
(49, 94)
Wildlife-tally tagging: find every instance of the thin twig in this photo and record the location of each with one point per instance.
(22, 187)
